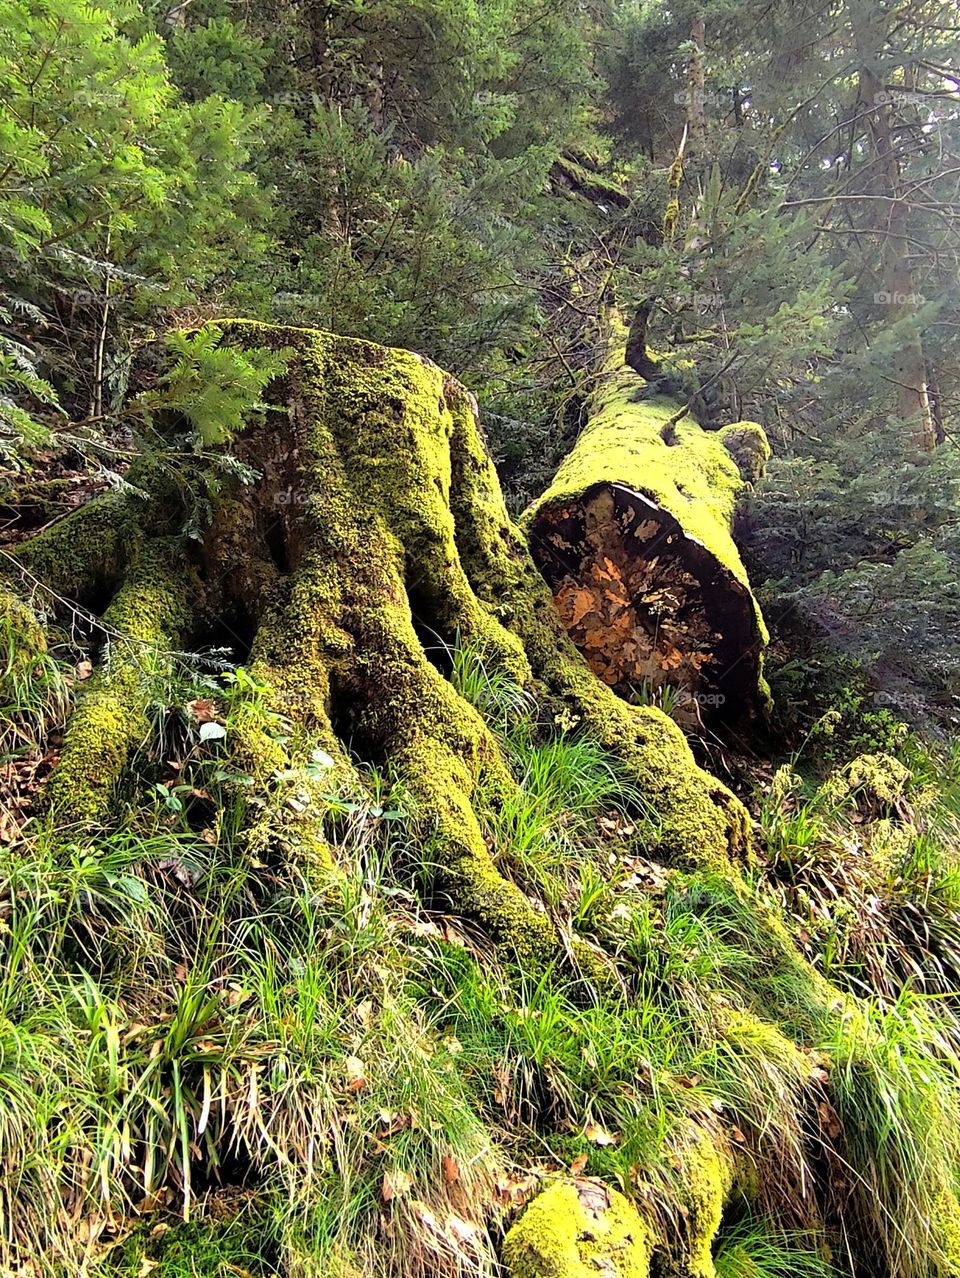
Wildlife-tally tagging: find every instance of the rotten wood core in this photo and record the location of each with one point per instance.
(654, 613)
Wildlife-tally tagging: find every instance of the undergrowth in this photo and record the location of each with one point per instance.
(212, 1063)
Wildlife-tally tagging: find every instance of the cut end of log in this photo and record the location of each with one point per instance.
(658, 618)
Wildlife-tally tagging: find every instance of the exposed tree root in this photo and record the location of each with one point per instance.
(149, 616)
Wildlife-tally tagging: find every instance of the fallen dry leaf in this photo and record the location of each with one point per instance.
(203, 710)
(356, 1074)
(595, 1133)
(461, 1230)
(396, 1184)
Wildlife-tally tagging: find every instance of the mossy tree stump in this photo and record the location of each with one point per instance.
(634, 537)
(377, 520)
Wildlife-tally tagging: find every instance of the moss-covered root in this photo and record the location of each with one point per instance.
(576, 1228)
(374, 588)
(707, 1171)
(147, 617)
(85, 555)
(21, 635)
(700, 821)
(634, 536)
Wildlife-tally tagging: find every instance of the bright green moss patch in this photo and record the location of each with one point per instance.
(81, 555)
(19, 622)
(747, 444)
(34, 687)
(88, 552)
(576, 1228)
(874, 783)
(707, 1181)
(587, 182)
(695, 479)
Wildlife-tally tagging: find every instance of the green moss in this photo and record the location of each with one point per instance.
(84, 554)
(747, 444)
(213, 1248)
(708, 1177)
(237, 558)
(20, 631)
(147, 618)
(587, 182)
(578, 1228)
(87, 553)
(27, 691)
(946, 1227)
(874, 783)
(373, 433)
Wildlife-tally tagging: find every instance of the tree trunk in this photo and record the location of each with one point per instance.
(634, 537)
(696, 84)
(377, 524)
(899, 294)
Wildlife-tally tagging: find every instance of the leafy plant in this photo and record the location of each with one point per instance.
(214, 387)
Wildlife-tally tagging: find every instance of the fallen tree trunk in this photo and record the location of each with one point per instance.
(634, 537)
